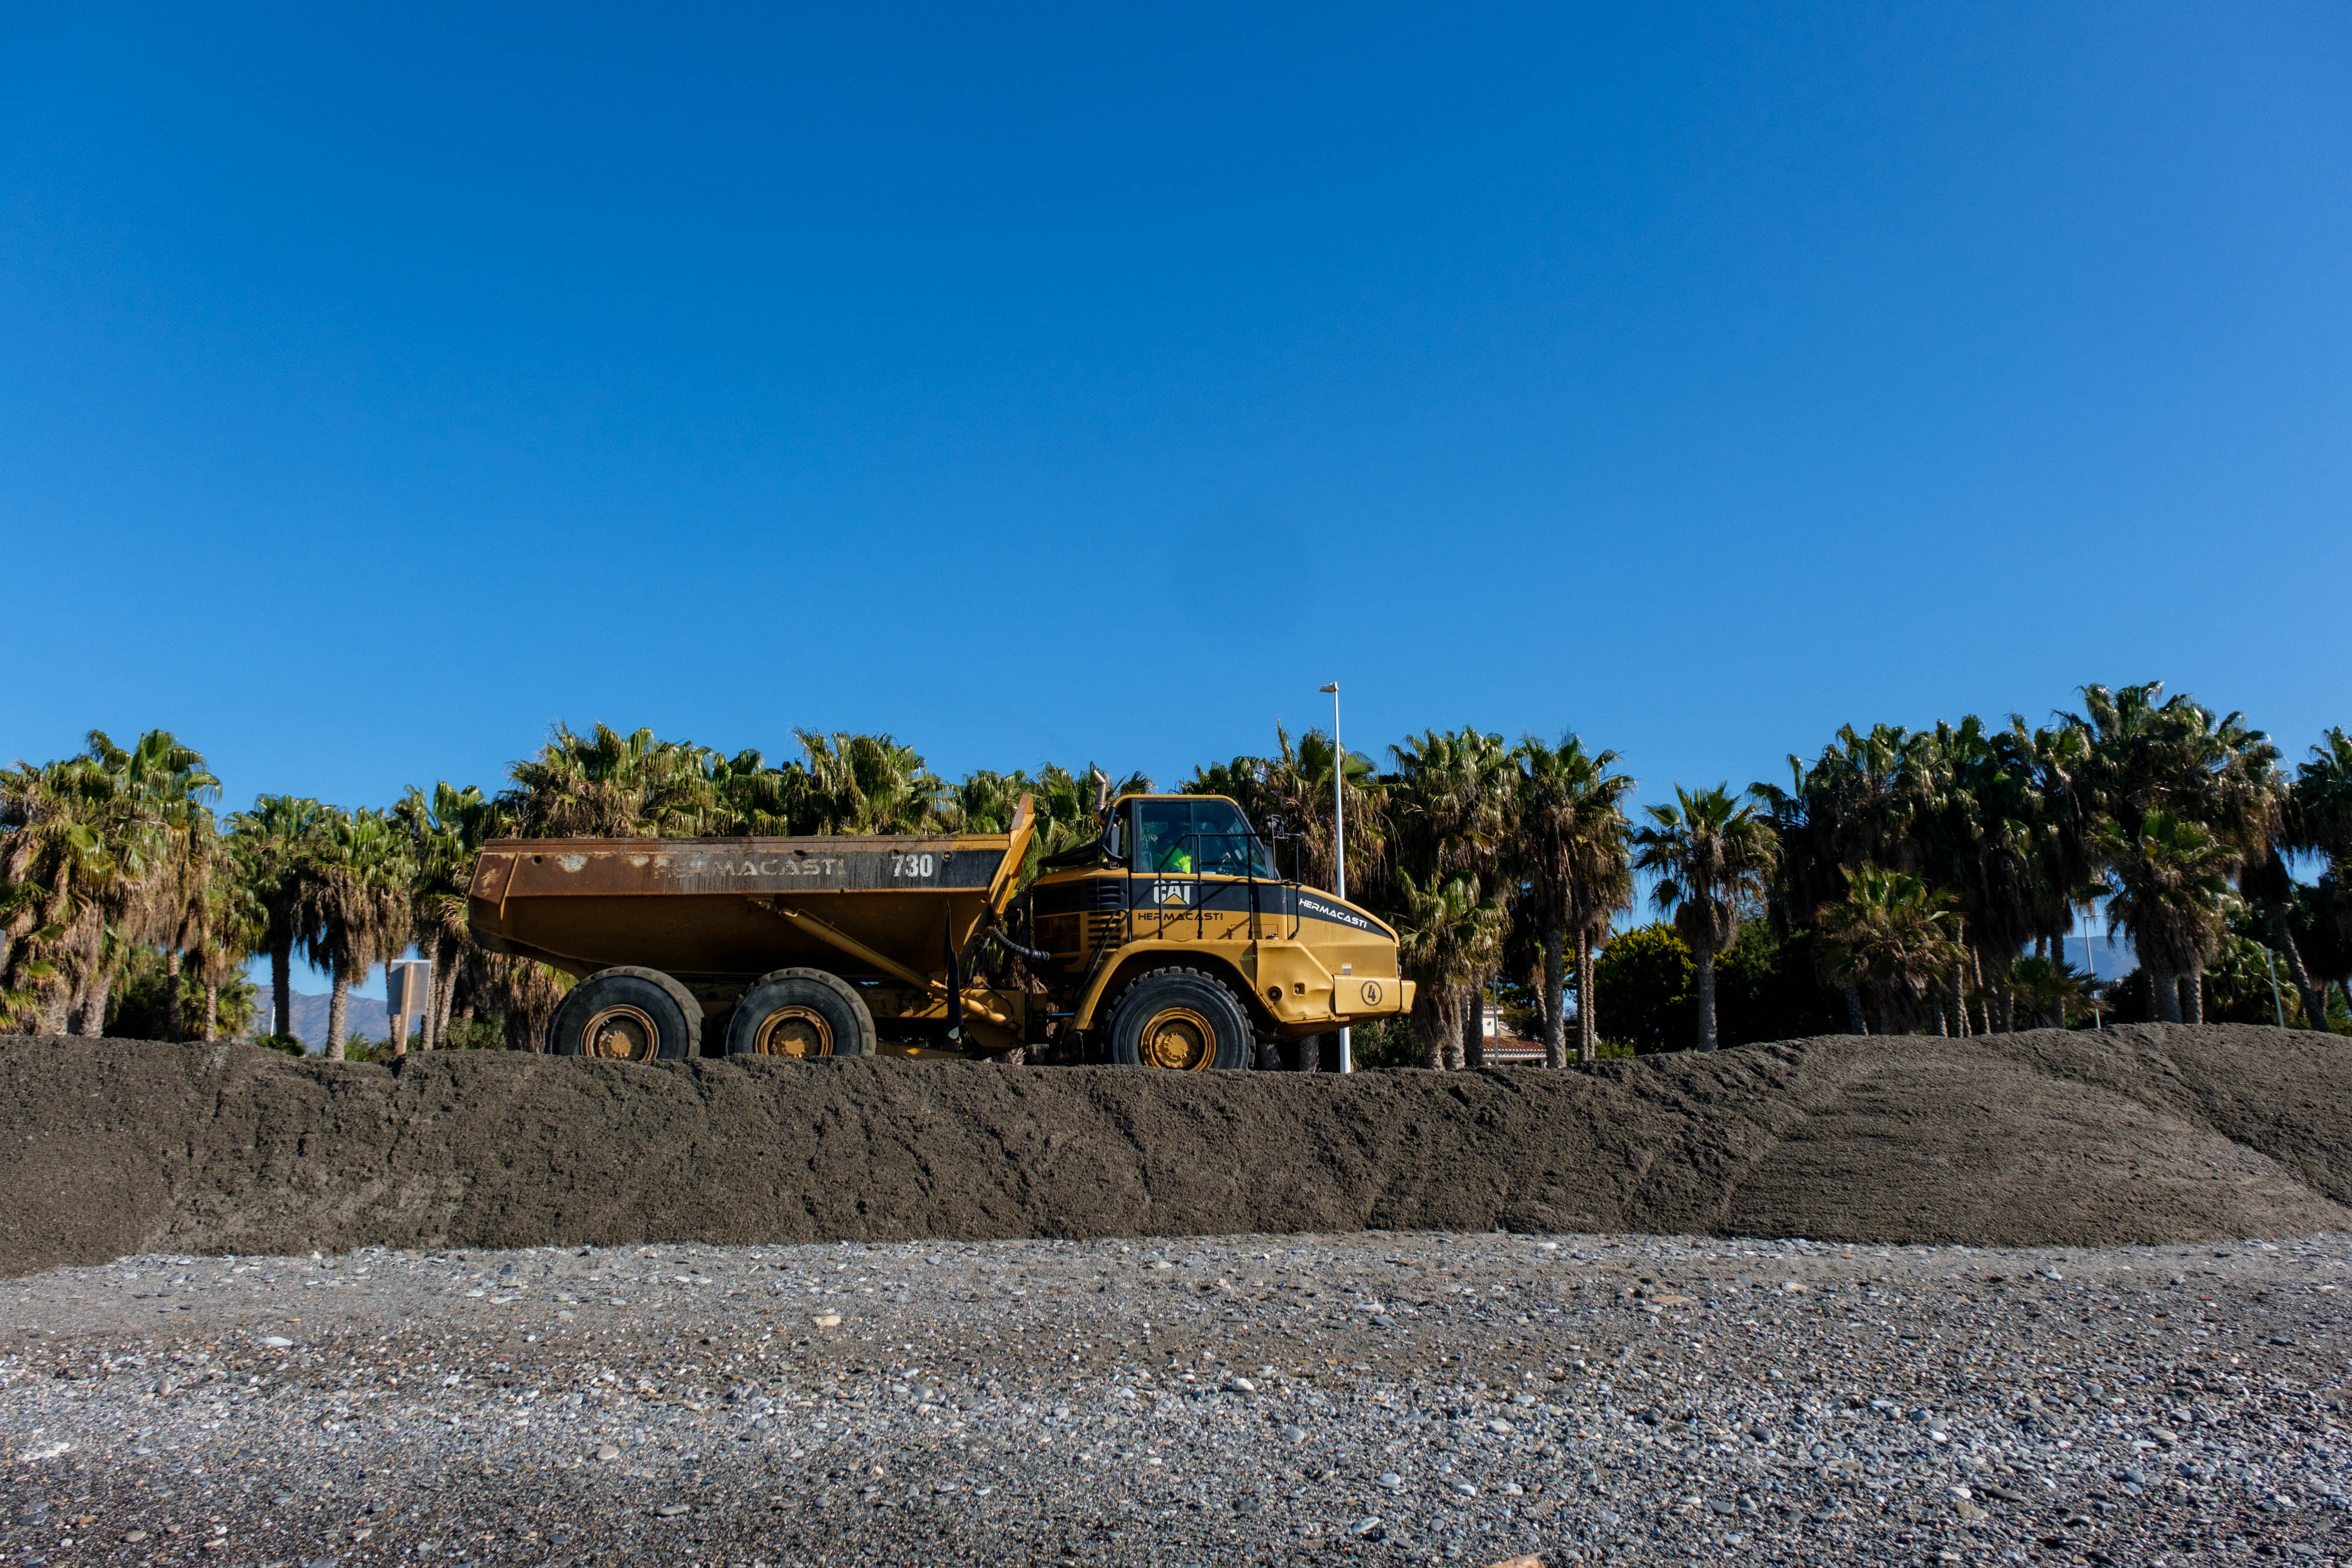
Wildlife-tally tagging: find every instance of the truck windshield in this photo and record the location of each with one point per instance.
(1198, 836)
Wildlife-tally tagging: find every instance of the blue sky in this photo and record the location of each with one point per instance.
(1042, 384)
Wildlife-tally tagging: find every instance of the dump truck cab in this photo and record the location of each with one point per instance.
(1179, 899)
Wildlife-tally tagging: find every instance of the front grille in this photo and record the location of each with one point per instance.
(1071, 898)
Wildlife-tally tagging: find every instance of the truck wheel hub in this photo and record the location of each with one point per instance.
(622, 1034)
(1180, 1039)
(795, 1031)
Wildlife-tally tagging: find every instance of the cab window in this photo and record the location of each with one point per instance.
(1195, 836)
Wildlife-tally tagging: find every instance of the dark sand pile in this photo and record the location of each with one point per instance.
(2140, 1134)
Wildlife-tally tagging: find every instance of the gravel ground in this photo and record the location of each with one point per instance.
(1381, 1398)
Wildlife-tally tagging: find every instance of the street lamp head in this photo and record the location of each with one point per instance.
(1333, 688)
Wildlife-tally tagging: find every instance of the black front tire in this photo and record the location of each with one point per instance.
(626, 1015)
(801, 1014)
(1181, 1020)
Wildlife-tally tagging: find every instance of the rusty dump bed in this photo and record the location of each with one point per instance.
(737, 908)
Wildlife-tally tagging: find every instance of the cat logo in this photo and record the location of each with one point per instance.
(1371, 993)
(1171, 893)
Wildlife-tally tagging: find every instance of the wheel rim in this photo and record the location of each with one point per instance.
(622, 1034)
(795, 1031)
(1179, 1040)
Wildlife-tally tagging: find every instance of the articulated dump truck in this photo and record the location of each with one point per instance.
(1171, 940)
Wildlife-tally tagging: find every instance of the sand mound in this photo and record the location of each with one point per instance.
(2144, 1134)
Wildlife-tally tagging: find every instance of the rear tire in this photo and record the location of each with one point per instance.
(626, 1015)
(801, 1014)
(1181, 1020)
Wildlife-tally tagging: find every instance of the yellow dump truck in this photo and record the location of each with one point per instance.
(1171, 940)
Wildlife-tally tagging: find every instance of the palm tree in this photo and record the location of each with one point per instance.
(19, 1002)
(605, 784)
(2048, 990)
(984, 801)
(867, 784)
(1711, 855)
(1860, 803)
(229, 924)
(445, 836)
(275, 841)
(2266, 884)
(2172, 898)
(104, 837)
(1450, 817)
(1067, 814)
(1569, 842)
(1448, 940)
(1969, 838)
(2318, 817)
(59, 862)
(2178, 758)
(525, 992)
(1891, 934)
(166, 792)
(2322, 812)
(354, 905)
(1294, 788)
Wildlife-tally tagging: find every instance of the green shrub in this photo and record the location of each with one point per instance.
(1384, 1044)
(475, 1034)
(1644, 990)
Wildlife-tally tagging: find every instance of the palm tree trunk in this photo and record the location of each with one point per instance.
(1856, 1022)
(56, 1015)
(1706, 956)
(2314, 1003)
(444, 987)
(93, 1007)
(1943, 1013)
(1473, 1026)
(1555, 995)
(436, 996)
(2164, 993)
(1961, 1000)
(1431, 1026)
(2192, 995)
(281, 989)
(212, 1012)
(1588, 1017)
(339, 996)
(172, 1021)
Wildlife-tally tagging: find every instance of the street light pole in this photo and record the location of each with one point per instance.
(1339, 843)
(2091, 967)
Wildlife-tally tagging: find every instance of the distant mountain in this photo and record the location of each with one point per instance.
(363, 1016)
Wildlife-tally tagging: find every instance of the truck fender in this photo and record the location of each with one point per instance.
(1159, 955)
